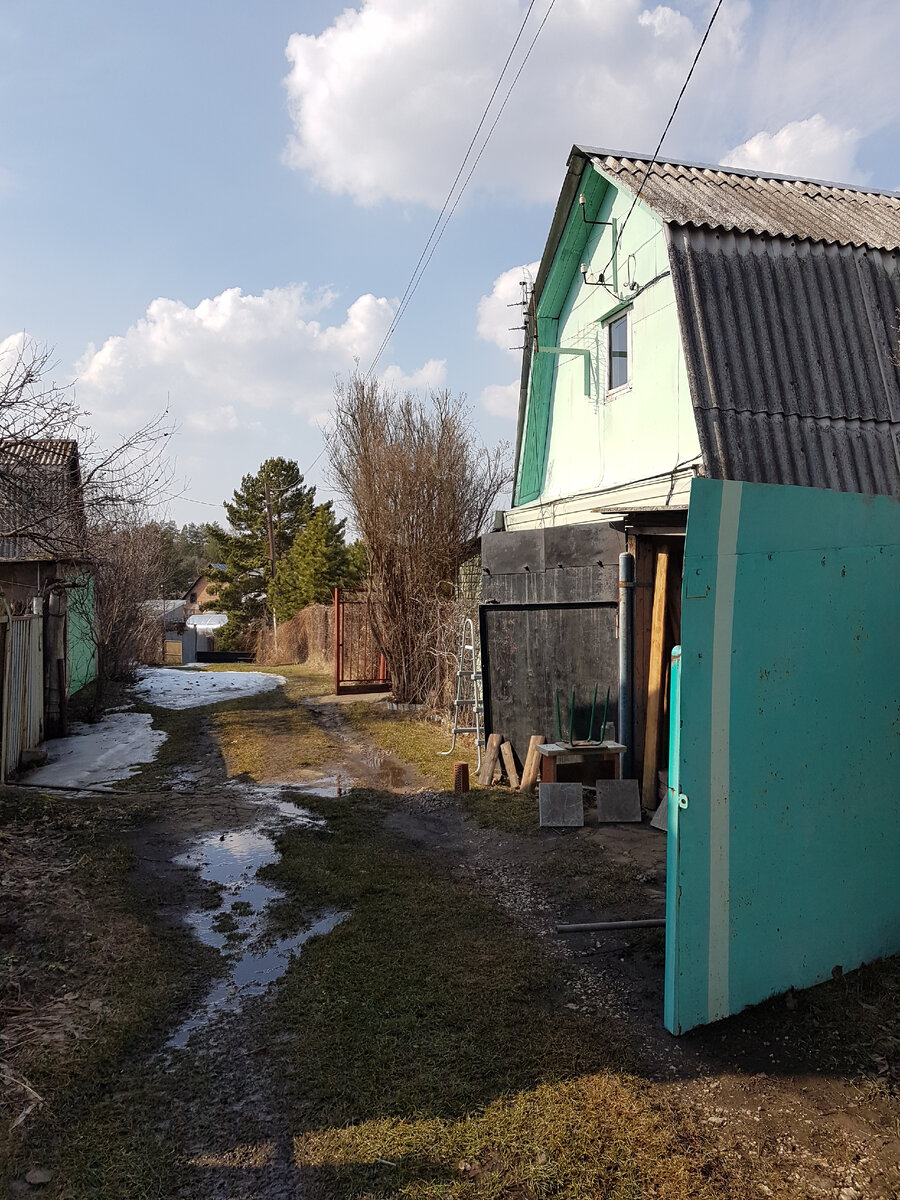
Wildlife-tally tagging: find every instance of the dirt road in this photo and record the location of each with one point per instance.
(325, 977)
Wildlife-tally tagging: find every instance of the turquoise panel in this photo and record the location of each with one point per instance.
(787, 853)
(82, 653)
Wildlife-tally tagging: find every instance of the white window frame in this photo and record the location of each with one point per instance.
(608, 322)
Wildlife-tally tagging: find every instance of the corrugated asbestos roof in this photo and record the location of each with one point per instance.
(727, 198)
(45, 452)
(791, 352)
(41, 507)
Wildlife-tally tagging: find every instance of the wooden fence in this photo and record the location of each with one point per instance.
(22, 695)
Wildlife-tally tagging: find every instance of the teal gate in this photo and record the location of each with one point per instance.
(784, 800)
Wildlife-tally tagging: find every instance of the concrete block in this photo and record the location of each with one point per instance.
(661, 817)
(560, 804)
(618, 800)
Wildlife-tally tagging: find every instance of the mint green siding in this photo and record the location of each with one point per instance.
(82, 653)
(573, 443)
(783, 864)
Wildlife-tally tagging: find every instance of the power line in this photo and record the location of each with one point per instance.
(650, 164)
(440, 224)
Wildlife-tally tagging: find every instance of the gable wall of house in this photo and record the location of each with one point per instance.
(608, 439)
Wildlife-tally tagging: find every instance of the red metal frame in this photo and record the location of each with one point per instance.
(358, 665)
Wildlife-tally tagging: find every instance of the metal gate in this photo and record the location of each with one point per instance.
(359, 665)
(22, 715)
(784, 825)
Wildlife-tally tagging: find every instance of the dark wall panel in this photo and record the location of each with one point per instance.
(548, 622)
(530, 651)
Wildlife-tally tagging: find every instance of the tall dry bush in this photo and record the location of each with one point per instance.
(308, 637)
(123, 575)
(420, 486)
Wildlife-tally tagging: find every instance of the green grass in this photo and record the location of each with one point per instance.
(499, 807)
(412, 740)
(433, 1055)
(420, 743)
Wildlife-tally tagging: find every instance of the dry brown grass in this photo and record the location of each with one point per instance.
(413, 740)
(272, 736)
(88, 973)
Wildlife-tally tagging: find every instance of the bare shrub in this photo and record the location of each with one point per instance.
(125, 568)
(420, 487)
(43, 509)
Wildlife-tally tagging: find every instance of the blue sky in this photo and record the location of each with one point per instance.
(220, 203)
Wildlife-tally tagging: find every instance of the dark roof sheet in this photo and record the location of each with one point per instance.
(729, 198)
(790, 347)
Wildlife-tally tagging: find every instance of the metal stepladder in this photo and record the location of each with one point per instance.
(468, 692)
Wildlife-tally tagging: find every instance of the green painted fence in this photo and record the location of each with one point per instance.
(784, 806)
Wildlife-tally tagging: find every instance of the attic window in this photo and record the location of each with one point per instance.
(618, 351)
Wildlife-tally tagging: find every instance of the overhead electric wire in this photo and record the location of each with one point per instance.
(437, 230)
(662, 138)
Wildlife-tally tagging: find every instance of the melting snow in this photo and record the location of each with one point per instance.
(102, 753)
(176, 688)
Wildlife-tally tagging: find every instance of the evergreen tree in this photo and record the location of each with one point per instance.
(242, 588)
(184, 554)
(315, 565)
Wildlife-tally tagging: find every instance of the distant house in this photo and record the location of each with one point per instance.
(198, 592)
(42, 527)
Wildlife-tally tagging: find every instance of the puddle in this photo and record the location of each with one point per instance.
(236, 928)
(231, 859)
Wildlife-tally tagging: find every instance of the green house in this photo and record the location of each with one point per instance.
(710, 384)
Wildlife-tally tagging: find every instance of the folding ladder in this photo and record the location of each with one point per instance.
(468, 692)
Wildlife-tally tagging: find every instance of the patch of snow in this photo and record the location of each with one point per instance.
(172, 688)
(111, 750)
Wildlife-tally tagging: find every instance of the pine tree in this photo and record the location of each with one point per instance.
(315, 565)
(242, 588)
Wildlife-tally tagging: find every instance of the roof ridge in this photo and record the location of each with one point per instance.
(631, 157)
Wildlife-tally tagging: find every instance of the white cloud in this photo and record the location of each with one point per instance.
(384, 102)
(244, 376)
(501, 400)
(815, 148)
(432, 374)
(497, 321)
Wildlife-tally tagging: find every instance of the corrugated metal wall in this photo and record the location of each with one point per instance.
(791, 357)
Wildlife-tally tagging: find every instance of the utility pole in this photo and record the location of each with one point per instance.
(271, 533)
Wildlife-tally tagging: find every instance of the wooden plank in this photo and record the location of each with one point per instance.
(491, 758)
(643, 550)
(509, 761)
(532, 763)
(656, 675)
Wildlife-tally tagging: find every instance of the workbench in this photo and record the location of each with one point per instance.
(555, 754)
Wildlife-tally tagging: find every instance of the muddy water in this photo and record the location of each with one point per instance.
(231, 859)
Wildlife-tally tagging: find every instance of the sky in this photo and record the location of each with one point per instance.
(212, 208)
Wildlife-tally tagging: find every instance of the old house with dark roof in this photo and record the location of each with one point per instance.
(42, 538)
(710, 382)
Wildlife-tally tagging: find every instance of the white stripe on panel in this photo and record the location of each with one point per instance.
(719, 752)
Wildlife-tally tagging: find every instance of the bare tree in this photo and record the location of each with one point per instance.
(114, 596)
(48, 497)
(66, 498)
(420, 487)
